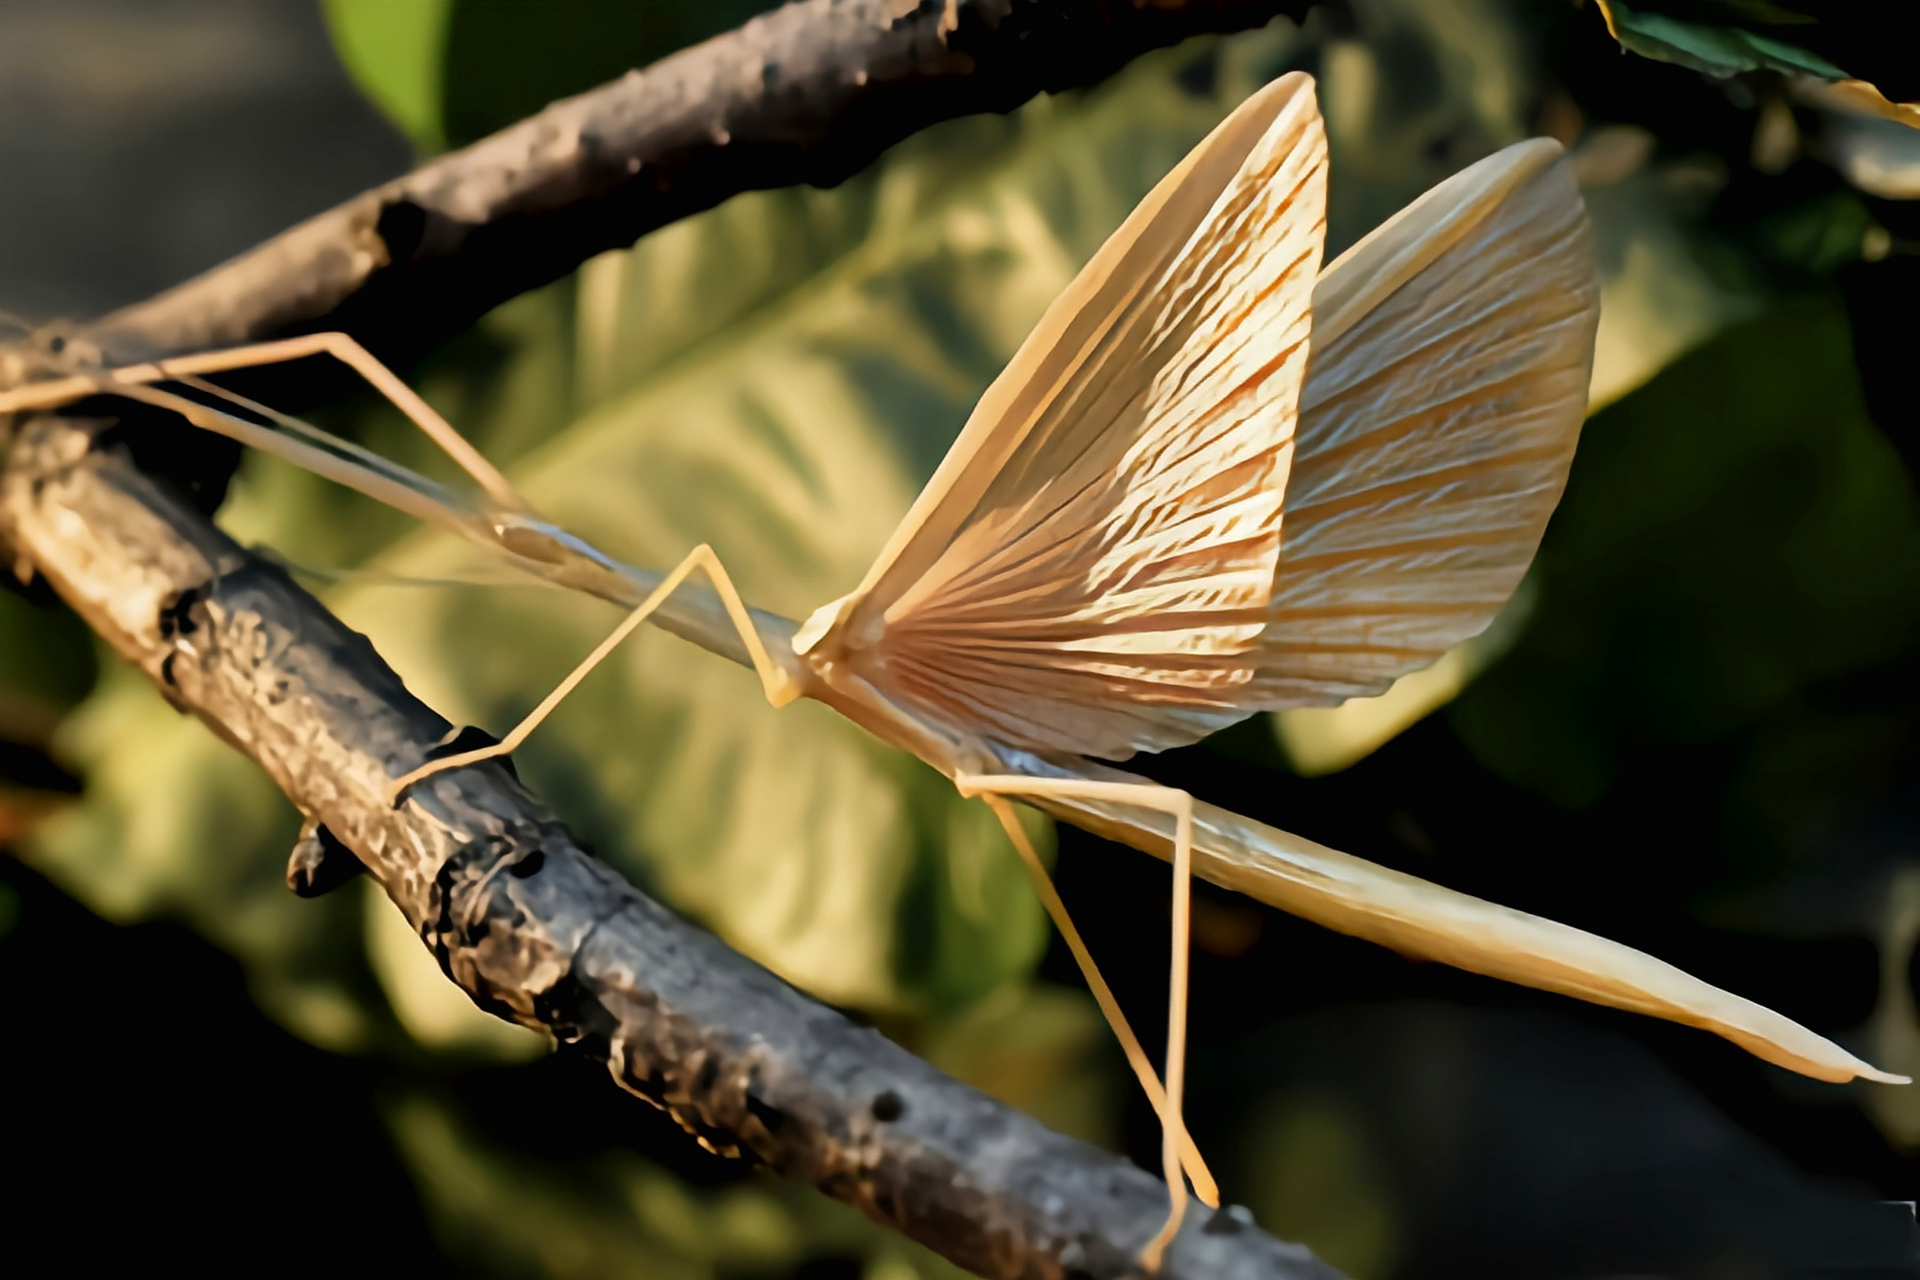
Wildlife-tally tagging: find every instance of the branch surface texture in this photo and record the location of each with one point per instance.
(534, 929)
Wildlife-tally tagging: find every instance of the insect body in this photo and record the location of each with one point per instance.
(1216, 479)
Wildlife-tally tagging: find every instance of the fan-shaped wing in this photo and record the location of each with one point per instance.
(1452, 349)
(1091, 563)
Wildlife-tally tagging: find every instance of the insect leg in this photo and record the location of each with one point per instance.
(1179, 805)
(1203, 1182)
(347, 351)
(46, 395)
(780, 687)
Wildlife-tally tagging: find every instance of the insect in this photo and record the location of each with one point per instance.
(1216, 479)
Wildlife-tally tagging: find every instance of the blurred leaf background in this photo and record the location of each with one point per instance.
(1694, 730)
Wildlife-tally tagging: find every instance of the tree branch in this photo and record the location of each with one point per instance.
(809, 93)
(530, 926)
(540, 933)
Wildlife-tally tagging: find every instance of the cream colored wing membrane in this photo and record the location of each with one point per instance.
(1088, 567)
(1451, 354)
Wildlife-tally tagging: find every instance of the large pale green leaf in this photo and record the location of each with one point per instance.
(776, 377)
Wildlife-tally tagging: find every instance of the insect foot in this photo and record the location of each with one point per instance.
(466, 745)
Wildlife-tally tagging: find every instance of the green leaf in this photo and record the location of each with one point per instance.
(1817, 236)
(396, 52)
(1732, 534)
(1315, 1175)
(504, 1212)
(1710, 48)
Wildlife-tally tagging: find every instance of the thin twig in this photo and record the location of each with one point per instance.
(810, 93)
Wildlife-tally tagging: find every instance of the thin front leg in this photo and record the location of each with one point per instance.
(1180, 806)
(1204, 1185)
(780, 687)
(342, 347)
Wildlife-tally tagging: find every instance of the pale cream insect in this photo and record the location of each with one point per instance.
(1214, 480)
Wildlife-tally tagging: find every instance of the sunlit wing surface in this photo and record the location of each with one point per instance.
(1451, 354)
(1089, 566)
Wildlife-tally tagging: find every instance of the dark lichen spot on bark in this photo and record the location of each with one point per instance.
(771, 1118)
(521, 868)
(176, 619)
(888, 1106)
(402, 225)
(574, 1017)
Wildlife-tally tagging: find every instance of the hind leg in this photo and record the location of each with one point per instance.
(1178, 804)
(1204, 1185)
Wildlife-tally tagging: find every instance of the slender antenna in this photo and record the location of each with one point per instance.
(398, 488)
(318, 435)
